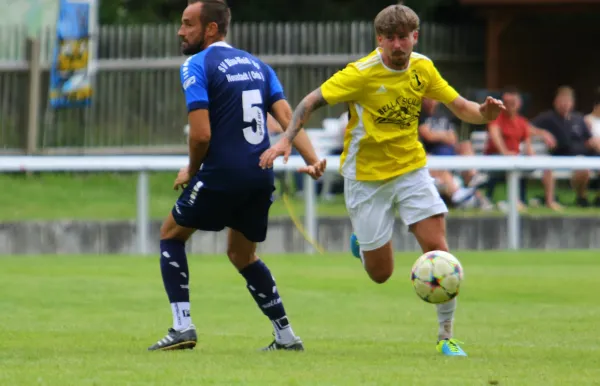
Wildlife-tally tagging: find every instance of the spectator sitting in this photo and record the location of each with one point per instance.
(573, 138)
(593, 122)
(593, 118)
(506, 134)
(457, 196)
(438, 135)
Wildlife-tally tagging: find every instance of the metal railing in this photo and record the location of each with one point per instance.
(513, 165)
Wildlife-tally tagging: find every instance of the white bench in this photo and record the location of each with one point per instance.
(479, 140)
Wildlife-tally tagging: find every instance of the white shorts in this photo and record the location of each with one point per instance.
(372, 205)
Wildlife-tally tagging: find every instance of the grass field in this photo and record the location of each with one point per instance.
(526, 319)
(113, 196)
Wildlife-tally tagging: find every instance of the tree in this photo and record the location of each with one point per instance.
(155, 11)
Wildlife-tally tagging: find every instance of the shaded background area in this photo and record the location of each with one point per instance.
(480, 47)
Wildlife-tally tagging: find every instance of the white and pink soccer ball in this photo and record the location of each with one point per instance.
(437, 276)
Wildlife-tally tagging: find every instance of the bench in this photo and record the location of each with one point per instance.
(479, 140)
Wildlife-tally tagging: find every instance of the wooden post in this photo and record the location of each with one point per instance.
(496, 24)
(33, 102)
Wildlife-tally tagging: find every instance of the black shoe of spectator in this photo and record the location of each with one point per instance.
(582, 202)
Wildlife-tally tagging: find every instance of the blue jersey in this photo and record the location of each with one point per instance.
(238, 90)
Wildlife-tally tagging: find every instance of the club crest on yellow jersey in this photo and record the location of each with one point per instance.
(416, 81)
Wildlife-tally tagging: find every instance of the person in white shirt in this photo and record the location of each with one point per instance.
(593, 122)
(593, 118)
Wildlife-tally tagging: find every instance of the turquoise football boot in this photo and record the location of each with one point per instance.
(450, 347)
(354, 246)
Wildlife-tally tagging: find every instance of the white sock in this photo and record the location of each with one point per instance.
(181, 315)
(283, 331)
(445, 314)
(462, 194)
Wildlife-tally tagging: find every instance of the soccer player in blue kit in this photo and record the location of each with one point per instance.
(228, 93)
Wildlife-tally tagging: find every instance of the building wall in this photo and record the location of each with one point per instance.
(539, 54)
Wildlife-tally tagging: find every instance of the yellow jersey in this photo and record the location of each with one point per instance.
(382, 139)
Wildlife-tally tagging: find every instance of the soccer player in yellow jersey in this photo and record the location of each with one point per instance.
(383, 162)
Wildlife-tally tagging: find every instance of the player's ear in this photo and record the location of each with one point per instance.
(212, 29)
(416, 36)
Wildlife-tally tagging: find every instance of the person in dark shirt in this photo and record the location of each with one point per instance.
(437, 132)
(573, 138)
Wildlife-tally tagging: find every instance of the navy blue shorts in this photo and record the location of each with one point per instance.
(246, 211)
(442, 150)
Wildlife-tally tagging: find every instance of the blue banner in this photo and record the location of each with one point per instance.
(70, 78)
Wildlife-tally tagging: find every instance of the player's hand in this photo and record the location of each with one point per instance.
(183, 178)
(549, 140)
(315, 170)
(594, 143)
(283, 147)
(491, 108)
(451, 137)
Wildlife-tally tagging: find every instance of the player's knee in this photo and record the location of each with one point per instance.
(239, 259)
(380, 276)
(172, 233)
(164, 232)
(379, 263)
(169, 230)
(435, 245)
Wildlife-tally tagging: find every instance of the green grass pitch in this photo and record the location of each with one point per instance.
(107, 196)
(528, 318)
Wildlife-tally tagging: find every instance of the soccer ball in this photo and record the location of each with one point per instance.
(436, 276)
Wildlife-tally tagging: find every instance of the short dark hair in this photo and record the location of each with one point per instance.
(215, 11)
(565, 90)
(597, 96)
(511, 90)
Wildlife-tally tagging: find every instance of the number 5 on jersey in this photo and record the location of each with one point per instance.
(252, 112)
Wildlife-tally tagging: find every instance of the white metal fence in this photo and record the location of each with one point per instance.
(144, 164)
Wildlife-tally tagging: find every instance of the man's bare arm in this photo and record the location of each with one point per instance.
(282, 112)
(310, 103)
(475, 113)
(273, 126)
(199, 138)
(548, 138)
(467, 111)
(536, 131)
(529, 147)
(497, 140)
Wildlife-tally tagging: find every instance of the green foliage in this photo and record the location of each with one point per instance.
(155, 11)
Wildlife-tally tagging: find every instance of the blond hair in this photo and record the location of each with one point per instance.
(394, 19)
